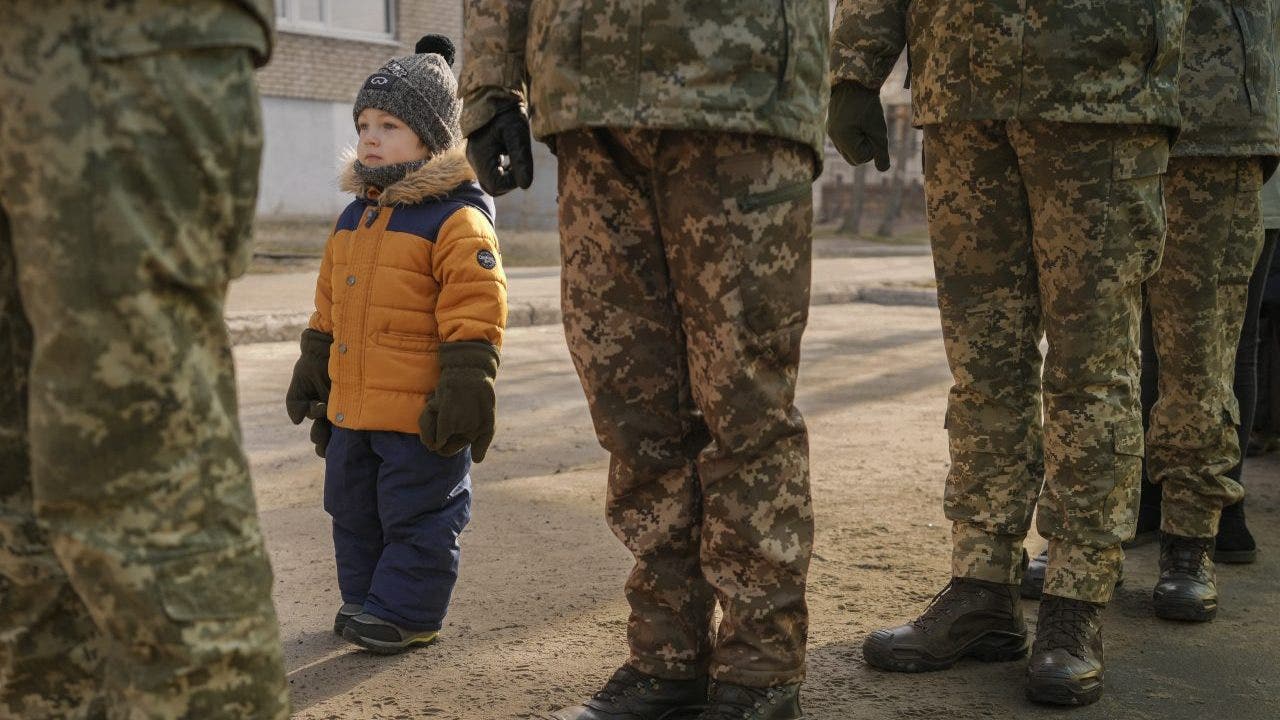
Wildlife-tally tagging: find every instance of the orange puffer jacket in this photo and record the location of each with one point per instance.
(406, 269)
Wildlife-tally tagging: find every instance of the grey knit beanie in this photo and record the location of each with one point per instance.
(420, 90)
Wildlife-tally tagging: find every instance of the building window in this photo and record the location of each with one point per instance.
(355, 19)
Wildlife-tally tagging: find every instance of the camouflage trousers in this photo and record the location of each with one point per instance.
(1197, 304)
(686, 268)
(133, 579)
(1043, 229)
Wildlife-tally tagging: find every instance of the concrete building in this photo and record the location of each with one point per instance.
(324, 51)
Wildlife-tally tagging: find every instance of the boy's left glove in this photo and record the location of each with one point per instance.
(461, 410)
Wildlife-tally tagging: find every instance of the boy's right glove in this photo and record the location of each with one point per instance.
(309, 389)
(461, 410)
(856, 124)
(506, 134)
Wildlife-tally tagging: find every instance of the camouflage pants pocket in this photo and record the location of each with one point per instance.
(771, 208)
(1135, 221)
(1090, 502)
(991, 484)
(179, 173)
(220, 584)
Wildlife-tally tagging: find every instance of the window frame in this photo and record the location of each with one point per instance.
(287, 12)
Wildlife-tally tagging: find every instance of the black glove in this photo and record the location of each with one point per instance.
(461, 410)
(507, 133)
(321, 428)
(856, 124)
(310, 384)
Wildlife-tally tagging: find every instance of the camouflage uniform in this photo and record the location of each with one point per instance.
(133, 579)
(1231, 128)
(685, 231)
(1043, 152)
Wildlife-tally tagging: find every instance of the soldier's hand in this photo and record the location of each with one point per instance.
(310, 383)
(505, 137)
(461, 410)
(856, 124)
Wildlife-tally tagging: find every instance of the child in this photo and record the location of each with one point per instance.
(410, 309)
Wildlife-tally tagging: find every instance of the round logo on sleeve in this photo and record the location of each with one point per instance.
(486, 260)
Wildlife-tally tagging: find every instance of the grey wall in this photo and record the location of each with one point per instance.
(302, 142)
(535, 208)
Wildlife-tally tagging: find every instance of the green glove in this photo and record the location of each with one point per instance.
(460, 412)
(310, 383)
(856, 124)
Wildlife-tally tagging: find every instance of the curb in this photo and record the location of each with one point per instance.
(249, 328)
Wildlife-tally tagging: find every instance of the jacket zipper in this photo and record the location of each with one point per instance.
(786, 44)
(1244, 55)
(1155, 39)
(373, 215)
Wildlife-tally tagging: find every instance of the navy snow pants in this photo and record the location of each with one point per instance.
(397, 509)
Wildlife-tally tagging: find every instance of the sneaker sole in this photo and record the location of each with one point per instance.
(1235, 557)
(992, 647)
(1184, 609)
(1056, 690)
(382, 647)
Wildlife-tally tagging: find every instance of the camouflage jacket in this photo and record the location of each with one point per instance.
(1228, 87)
(135, 27)
(755, 66)
(1091, 61)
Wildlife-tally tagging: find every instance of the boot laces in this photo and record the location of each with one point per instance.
(1185, 556)
(625, 682)
(943, 604)
(736, 702)
(1065, 624)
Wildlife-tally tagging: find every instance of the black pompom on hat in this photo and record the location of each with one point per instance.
(439, 44)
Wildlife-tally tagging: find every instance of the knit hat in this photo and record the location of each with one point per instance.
(420, 90)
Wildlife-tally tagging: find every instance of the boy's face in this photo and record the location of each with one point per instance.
(386, 140)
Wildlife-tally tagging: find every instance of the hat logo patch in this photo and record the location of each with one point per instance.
(486, 260)
(379, 81)
(395, 68)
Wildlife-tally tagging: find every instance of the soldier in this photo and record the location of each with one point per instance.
(1197, 300)
(133, 578)
(688, 134)
(1047, 131)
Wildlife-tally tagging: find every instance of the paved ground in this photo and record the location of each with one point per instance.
(538, 616)
(265, 307)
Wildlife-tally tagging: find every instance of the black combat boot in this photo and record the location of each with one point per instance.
(1187, 588)
(1033, 576)
(969, 618)
(739, 702)
(1066, 660)
(633, 695)
(1235, 544)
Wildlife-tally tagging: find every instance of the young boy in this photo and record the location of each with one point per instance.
(410, 309)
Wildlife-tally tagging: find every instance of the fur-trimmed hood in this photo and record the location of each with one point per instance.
(436, 178)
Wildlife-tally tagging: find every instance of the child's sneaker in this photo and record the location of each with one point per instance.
(385, 638)
(345, 613)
